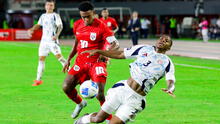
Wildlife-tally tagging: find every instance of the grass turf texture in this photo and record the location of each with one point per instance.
(197, 90)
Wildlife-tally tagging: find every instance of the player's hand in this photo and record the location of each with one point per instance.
(54, 38)
(30, 32)
(91, 52)
(168, 92)
(66, 67)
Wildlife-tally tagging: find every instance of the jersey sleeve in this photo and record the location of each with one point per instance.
(58, 20)
(170, 70)
(40, 21)
(135, 51)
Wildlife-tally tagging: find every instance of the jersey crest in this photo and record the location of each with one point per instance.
(92, 36)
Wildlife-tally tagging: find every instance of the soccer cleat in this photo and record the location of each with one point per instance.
(78, 109)
(36, 83)
(79, 121)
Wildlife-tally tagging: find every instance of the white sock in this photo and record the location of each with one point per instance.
(62, 60)
(40, 69)
(86, 119)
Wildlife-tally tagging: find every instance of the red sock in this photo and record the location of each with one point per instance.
(74, 96)
(101, 102)
(109, 117)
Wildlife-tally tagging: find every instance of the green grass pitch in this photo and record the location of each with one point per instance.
(197, 90)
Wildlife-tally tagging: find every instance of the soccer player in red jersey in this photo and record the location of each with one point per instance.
(90, 34)
(112, 25)
(109, 21)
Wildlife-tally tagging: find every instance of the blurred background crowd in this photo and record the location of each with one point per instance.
(178, 18)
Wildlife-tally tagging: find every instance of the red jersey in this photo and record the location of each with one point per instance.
(110, 22)
(90, 37)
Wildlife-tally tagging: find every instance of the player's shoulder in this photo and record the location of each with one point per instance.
(43, 14)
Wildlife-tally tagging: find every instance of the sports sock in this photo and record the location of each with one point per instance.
(40, 69)
(62, 60)
(101, 102)
(74, 96)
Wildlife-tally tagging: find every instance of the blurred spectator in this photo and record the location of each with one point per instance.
(121, 29)
(218, 28)
(134, 26)
(5, 24)
(166, 24)
(195, 28)
(213, 28)
(145, 23)
(204, 26)
(173, 27)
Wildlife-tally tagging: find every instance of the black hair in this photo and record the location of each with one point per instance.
(51, 1)
(85, 6)
(104, 9)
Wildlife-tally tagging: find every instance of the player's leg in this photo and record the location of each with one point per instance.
(40, 70)
(75, 76)
(55, 49)
(110, 105)
(98, 75)
(43, 52)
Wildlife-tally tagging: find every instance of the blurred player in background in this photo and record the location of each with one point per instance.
(127, 97)
(109, 21)
(52, 27)
(112, 25)
(90, 33)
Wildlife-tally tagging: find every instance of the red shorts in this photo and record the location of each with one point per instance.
(86, 70)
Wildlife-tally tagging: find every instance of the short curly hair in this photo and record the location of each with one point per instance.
(85, 6)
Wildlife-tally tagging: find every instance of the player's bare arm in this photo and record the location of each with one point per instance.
(116, 54)
(59, 30)
(31, 30)
(116, 29)
(170, 88)
(71, 55)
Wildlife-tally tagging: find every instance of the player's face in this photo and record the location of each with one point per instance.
(87, 16)
(49, 6)
(164, 43)
(105, 13)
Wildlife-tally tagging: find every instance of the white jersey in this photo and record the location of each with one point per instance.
(49, 23)
(149, 66)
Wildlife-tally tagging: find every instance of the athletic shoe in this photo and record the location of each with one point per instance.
(36, 83)
(78, 109)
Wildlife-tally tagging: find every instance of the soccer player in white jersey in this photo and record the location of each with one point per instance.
(52, 27)
(127, 97)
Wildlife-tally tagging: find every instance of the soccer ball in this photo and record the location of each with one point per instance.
(89, 89)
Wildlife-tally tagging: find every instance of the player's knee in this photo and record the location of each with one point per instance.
(58, 56)
(42, 58)
(66, 86)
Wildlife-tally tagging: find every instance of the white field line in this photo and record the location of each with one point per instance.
(195, 66)
(63, 48)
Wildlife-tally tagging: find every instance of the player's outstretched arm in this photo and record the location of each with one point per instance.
(170, 88)
(71, 55)
(116, 54)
